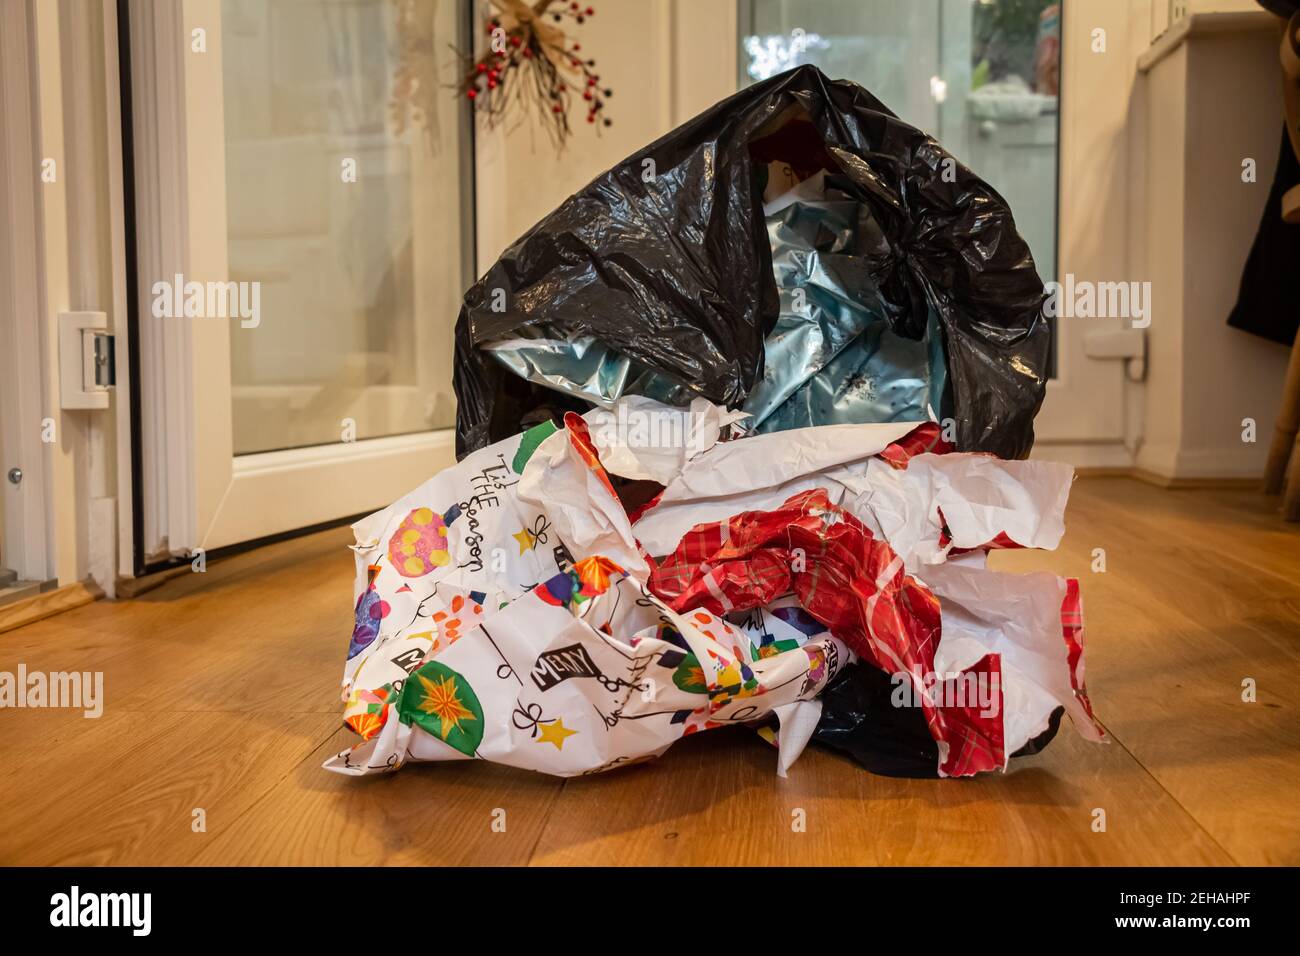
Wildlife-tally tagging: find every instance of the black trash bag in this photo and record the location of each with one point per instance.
(859, 719)
(676, 272)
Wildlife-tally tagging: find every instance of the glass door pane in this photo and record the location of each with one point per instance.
(981, 76)
(348, 173)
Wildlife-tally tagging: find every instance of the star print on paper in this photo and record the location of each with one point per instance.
(554, 733)
(440, 702)
(527, 540)
(367, 724)
(440, 699)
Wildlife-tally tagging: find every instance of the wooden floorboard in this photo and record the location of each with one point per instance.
(126, 790)
(46, 604)
(1201, 591)
(440, 815)
(222, 695)
(716, 799)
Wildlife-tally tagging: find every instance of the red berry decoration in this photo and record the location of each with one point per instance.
(556, 58)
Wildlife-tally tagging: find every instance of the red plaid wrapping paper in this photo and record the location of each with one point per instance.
(850, 581)
(1072, 630)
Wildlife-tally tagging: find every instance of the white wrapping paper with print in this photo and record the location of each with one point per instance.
(586, 672)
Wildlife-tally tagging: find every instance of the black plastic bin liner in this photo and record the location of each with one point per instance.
(675, 270)
(859, 719)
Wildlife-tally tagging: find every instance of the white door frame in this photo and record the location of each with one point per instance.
(197, 493)
(56, 162)
(1088, 415)
(27, 548)
(119, 258)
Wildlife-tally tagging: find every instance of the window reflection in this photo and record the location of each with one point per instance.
(981, 76)
(346, 166)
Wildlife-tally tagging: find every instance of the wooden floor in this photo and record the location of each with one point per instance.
(221, 694)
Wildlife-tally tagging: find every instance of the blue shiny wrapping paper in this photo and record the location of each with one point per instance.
(831, 357)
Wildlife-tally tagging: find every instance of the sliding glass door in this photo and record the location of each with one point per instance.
(305, 227)
(1033, 96)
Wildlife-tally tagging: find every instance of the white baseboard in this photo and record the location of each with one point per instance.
(1238, 462)
(1086, 456)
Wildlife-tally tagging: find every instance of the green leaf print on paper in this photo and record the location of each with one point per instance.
(529, 442)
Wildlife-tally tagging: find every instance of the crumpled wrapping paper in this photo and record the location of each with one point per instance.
(511, 609)
(586, 672)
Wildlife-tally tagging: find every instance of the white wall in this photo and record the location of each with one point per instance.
(665, 60)
(1211, 103)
